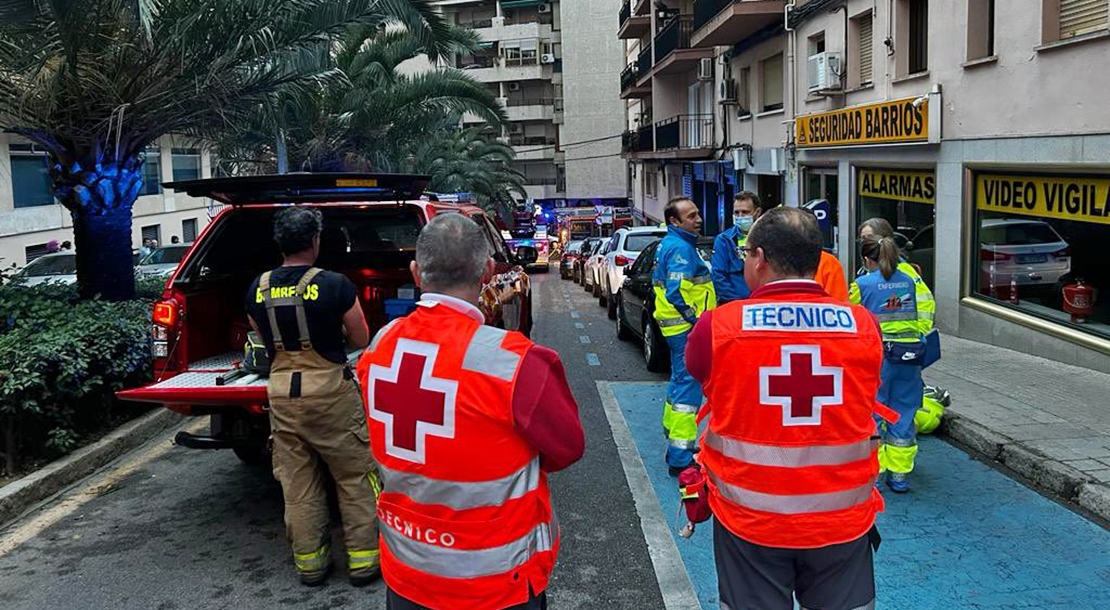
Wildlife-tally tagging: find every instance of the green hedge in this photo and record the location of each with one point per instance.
(61, 362)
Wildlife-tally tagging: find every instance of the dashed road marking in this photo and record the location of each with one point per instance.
(592, 359)
(579, 325)
(574, 314)
(584, 339)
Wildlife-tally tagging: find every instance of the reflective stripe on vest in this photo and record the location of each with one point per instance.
(791, 457)
(909, 334)
(797, 504)
(897, 316)
(666, 322)
(460, 495)
(485, 355)
(469, 563)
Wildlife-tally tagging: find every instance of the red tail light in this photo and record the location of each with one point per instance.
(991, 255)
(623, 261)
(165, 313)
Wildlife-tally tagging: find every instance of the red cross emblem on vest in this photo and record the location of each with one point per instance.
(410, 401)
(801, 385)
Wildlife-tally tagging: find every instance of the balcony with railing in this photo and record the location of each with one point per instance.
(673, 52)
(632, 27)
(530, 107)
(636, 142)
(644, 63)
(686, 136)
(630, 76)
(727, 22)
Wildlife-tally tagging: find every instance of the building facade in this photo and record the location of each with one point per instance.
(30, 217)
(979, 133)
(554, 65)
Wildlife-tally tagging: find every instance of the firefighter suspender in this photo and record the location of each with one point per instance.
(296, 300)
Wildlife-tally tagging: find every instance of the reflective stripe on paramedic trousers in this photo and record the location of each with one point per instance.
(460, 495)
(791, 457)
(469, 563)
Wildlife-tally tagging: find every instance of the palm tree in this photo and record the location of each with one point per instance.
(470, 161)
(93, 82)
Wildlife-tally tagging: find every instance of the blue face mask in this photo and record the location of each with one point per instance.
(744, 223)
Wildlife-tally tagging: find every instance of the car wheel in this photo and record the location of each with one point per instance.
(623, 332)
(611, 305)
(655, 348)
(603, 300)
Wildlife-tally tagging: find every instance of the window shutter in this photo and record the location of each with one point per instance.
(1078, 17)
(189, 230)
(866, 50)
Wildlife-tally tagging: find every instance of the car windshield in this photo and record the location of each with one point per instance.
(1019, 234)
(65, 264)
(574, 246)
(170, 255)
(636, 242)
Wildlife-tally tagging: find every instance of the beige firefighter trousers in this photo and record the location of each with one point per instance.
(317, 419)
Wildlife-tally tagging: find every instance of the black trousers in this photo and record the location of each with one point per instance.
(396, 602)
(755, 577)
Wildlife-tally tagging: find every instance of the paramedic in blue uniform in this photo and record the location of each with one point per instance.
(728, 249)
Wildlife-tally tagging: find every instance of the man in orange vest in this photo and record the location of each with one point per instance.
(790, 448)
(465, 420)
(830, 275)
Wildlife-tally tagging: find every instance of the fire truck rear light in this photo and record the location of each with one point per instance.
(165, 314)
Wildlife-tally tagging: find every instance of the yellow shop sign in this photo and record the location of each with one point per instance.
(897, 122)
(898, 185)
(1078, 198)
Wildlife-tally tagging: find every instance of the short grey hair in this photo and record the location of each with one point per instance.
(452, 253)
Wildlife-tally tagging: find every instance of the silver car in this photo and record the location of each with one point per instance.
(56, 268)
(1029, 252)
(162, 262)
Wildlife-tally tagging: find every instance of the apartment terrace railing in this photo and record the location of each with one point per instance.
(625, 13)
(519, 140)
(476, 24)
(530, 101)
(673, 36)
(541, 181)
(683, 132)
(705, 10)
(643, 63)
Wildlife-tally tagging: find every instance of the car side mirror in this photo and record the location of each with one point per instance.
(526, 255)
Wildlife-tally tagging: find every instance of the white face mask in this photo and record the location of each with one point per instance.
(744, 223)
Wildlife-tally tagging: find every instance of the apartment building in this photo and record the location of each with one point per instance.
(30, 217)
(977, 128)
(554, 66)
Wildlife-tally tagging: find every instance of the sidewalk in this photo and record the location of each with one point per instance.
(1047, 421)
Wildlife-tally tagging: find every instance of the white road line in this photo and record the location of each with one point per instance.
(579, 325)
(584, 339)
(574, 314)
(90, 488)
(670, 572)
(592, 359)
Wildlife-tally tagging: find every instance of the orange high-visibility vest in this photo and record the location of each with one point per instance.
(790, 451)
(831, 277)
(465, 510)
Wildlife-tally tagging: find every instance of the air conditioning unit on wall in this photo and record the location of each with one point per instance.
(544, 8)
(823, 72)
(547, 58)
(514, 86)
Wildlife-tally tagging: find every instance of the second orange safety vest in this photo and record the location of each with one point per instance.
(789, 451)
(466, 518)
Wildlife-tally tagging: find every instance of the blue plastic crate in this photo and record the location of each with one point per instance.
(396, 308)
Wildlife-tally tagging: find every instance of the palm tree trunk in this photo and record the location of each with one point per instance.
(100, 202)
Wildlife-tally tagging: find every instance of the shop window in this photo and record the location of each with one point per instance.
(1041, 246)
(861, 43)
(772, 83)
(907, 200)
(30, 177)
(152, 171)
(980, 29)
(186, 164)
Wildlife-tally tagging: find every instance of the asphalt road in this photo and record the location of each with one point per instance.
(167, 527)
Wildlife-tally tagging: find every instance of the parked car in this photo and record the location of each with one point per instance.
(592, 264)
(590, 245)
(162, 261)
(1029, 252)
(56, 268)
(627, 244)
(636, 305)
(566, 260)
(371, 223)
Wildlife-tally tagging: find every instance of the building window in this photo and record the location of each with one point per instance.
(152, 171)
(861, 42)
(30, 177)
(980, 29)
(1041, 246)
(651, 183)
(30, 253)
(189, 230)
(1079, 17)
(743, 92)
(152, 232)
(918, 36)
(772, 83)
(907, 200)
(186, 164)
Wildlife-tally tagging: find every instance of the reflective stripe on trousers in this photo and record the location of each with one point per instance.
(461, 563)
(460, 495)
(357, 560)
(793, 504)
(314, 561)
(791, 457)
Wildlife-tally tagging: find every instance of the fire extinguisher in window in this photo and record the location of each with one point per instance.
(1079, 300)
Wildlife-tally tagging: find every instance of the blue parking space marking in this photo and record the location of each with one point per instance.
(592, 359)
(966, 536)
